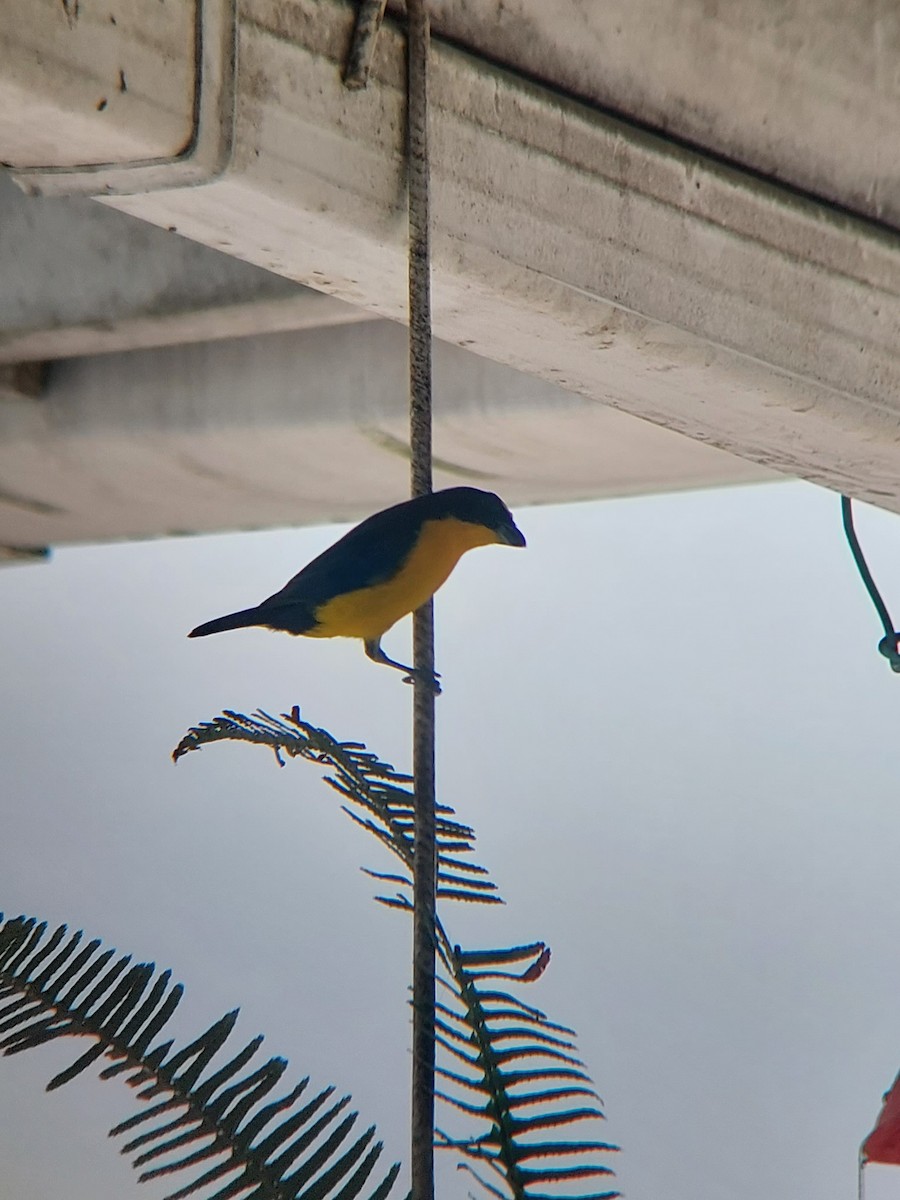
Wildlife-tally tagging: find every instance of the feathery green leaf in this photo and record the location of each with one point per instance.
(383, 794)
(213, 1112)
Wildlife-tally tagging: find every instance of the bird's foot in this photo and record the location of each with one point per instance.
(429, 681)
(375, 652)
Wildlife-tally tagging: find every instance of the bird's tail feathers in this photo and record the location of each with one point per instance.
(235, 620)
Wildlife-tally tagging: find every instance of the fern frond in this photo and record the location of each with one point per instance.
(518, 1071)
(502, 1048)
(383, 794)
(212, 1122)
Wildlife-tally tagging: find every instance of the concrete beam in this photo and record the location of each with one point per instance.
(86, 83)
(566, 243)
(80, 278)
(804, 91)
(304, 428)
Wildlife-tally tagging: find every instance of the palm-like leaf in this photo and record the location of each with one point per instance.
(382, 794)
(212, 1121)
(507, 1064)
(516, 1072)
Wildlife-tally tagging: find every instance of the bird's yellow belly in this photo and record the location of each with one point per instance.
(370, 612)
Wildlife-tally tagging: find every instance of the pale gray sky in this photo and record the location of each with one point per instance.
(667, 721)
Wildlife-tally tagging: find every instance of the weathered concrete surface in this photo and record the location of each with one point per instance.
(79, 462)
(567, 244)
(805, 91)
(84, 82)
(304, 428)
(79, 278)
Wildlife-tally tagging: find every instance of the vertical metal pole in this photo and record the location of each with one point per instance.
(423, 621)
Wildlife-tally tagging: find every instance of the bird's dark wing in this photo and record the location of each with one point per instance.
(371, 553)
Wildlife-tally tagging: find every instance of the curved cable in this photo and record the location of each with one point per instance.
(888, 646)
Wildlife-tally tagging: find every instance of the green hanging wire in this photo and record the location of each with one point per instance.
(889, 643)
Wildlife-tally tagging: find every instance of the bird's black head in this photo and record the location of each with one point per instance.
(480, 508)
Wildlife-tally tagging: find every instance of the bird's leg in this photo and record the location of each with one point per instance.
(375, 652)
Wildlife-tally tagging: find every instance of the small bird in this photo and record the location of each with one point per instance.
(385, 568)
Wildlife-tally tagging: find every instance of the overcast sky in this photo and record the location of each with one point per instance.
(667, 721)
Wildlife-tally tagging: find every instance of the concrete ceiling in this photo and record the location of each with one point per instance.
(188, 391)
(806, 92)
(305, 427)
(666, 211)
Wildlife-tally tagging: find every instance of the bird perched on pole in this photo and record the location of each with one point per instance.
(384, 569)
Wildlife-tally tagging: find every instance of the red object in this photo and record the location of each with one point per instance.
(883, 1143)
(538, 967)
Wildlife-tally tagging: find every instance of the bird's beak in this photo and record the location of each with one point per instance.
(511, 535)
